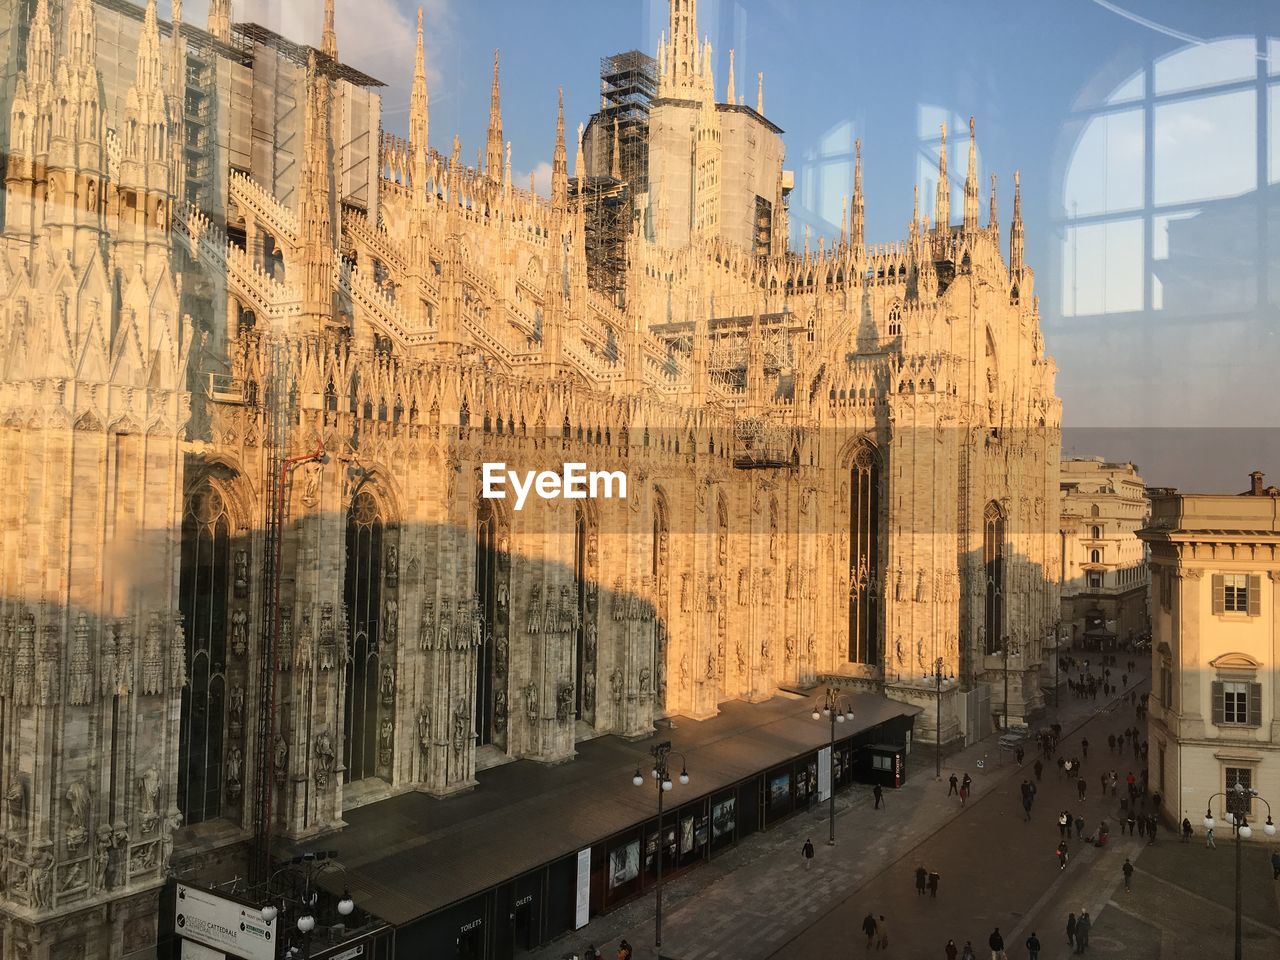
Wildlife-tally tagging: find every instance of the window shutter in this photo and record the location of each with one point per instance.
(1255, 704)
(1254, 595)
(1217, 702)
(1219, 592)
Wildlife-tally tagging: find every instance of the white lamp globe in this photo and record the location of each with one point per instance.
(1246, 832)
(1269, 828)
(666, 784)
(839, 718)
(849, 715)
(684, 778)
(1208, 823)
(637, 779)
(269, 913)
(817, 715)
(306, 923)
(346, 906)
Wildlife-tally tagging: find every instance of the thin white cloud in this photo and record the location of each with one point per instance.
(541, 178)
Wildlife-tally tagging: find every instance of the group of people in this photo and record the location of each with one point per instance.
(926, 880)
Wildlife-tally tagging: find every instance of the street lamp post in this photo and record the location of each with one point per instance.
(304, 904)
(1010, 646)
(938, 680)
(838, 708)
(1240, 824)
(662, 777)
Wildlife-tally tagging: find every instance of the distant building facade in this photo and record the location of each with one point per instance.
(1215, 585)
(1105, 578)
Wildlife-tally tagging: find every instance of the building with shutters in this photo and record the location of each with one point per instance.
(1104, 564)
(1215, 582)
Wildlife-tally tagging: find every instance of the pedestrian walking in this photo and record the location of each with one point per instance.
(996, 943)
(1186, 830)
(869, 928)
(951, 950)
(1079, 826)
(954, 781)
(624, 950)
(878, 792)
(1062, 854)
(968, 953)
(1111, 743)
(1084, 748)
(1115, 782)
(1071, 930)
(1128, 874)
(933, 884)
(1082, 932)
(1208, 839)
(1142, 826)
(1033, 947)
(1018, 755)
(1153, 823)
(1039, 769)
(1026, 807)
(882, 934)
(806, 852)
(922, 877)
(1082, 788)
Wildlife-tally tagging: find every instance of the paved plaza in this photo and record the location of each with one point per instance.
(757, 901)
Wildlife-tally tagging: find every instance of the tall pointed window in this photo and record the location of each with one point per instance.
(490, 722)
(204, 587)
(993, 534)
(362, 594)
(864, 555)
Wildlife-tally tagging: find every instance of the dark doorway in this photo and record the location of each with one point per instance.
(471, 944)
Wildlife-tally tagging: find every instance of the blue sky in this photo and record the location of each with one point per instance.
(1148, 120)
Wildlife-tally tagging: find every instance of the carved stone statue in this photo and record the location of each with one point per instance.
(424, 732)
(235, 767)
(149, 799)
(615, 685)
(500, 709)
(172, 823)
(391, 621)
(280, 752)
(643, 682)
(388, 686)
(38, 879)
(324, 757)
(461, 726)
(899, 585)
(564, 702)
(239, 632)
(102, 858)
(920, 587)
(531, 702)
(328, 653)
(78, 805)
(240, 582)
(386, 731)
(305, 651)
(393, 565)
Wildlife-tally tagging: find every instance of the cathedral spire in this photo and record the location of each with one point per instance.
(560, 161)
(729, 96)
(39, 69)
(615, 164)
(942, 202)
(1015, 230)
(148, 78)
(493, 148)
(419, 101)
(682, 60)
(913, 228)
(579, 161)
(220, 19)
(316, 215)
(82, 36)
(971, 184)
(760, 93)
(993, 221)
(857, 215)
(329, 42)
